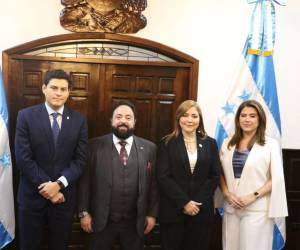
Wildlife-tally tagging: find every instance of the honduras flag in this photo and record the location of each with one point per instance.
(7, 215)
(256, 80)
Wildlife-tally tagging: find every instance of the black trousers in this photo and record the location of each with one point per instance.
(123, 231)
(32, 223)
(186, 235)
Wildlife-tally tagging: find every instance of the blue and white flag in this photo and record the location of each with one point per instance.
(7, 214)
(256, 80)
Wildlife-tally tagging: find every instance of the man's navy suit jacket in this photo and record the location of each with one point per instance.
(39, 160)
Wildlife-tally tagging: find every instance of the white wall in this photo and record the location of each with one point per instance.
(214, 31)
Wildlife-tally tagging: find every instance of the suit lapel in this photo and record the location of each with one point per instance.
(230, 165)
(65, 127)
(45, 120)
(182, 152)
(201, 150)
(140, 149)
(107, 153)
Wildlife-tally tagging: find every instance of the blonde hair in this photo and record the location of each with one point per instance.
(181, 110)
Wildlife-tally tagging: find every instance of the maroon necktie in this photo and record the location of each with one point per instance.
(123, 153)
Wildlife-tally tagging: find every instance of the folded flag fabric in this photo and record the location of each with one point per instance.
(7, 215)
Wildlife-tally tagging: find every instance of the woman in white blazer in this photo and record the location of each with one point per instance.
(252, 182)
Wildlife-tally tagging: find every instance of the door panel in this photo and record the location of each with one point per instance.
(156, 92)
(84, 95)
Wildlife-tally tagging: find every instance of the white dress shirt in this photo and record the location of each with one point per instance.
(128, 145)
(60, 111)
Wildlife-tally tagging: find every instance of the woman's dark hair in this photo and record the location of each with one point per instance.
(260, 132)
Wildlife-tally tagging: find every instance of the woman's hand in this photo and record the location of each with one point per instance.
(247, 199)
(192, 208)
(234, 201)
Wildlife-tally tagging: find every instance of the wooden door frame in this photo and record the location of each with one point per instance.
(183, 60)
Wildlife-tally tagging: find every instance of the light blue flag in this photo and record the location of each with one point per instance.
(7, 215)
(256, 80)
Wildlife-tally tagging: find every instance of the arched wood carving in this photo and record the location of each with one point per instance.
(117, 16)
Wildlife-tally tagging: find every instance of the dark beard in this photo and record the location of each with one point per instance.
(122, 134)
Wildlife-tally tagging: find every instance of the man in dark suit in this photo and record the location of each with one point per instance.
(118, 197)
(50, 148)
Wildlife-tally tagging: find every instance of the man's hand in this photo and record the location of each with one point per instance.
(192, 208)
(58, 198)
(149, 224)
(86, 223)
(49, 189)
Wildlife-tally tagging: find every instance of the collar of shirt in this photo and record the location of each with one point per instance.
(128, 146)
(51, 110)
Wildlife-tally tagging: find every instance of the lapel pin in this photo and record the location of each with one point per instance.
(141, 148)
(200, 145)
(68, 117)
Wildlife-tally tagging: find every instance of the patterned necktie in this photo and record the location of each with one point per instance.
(55, 127)
(123, 153)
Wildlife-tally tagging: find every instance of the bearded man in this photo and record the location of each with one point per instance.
(118, 196)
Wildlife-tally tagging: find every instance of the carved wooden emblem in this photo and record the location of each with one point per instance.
(118, 16)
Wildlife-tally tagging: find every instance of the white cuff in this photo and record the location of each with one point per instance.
(63, 180)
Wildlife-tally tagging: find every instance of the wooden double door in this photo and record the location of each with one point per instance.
(155, 90)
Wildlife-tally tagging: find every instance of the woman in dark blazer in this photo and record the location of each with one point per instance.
(188, 168)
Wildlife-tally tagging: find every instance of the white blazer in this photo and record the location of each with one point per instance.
(263, 162)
